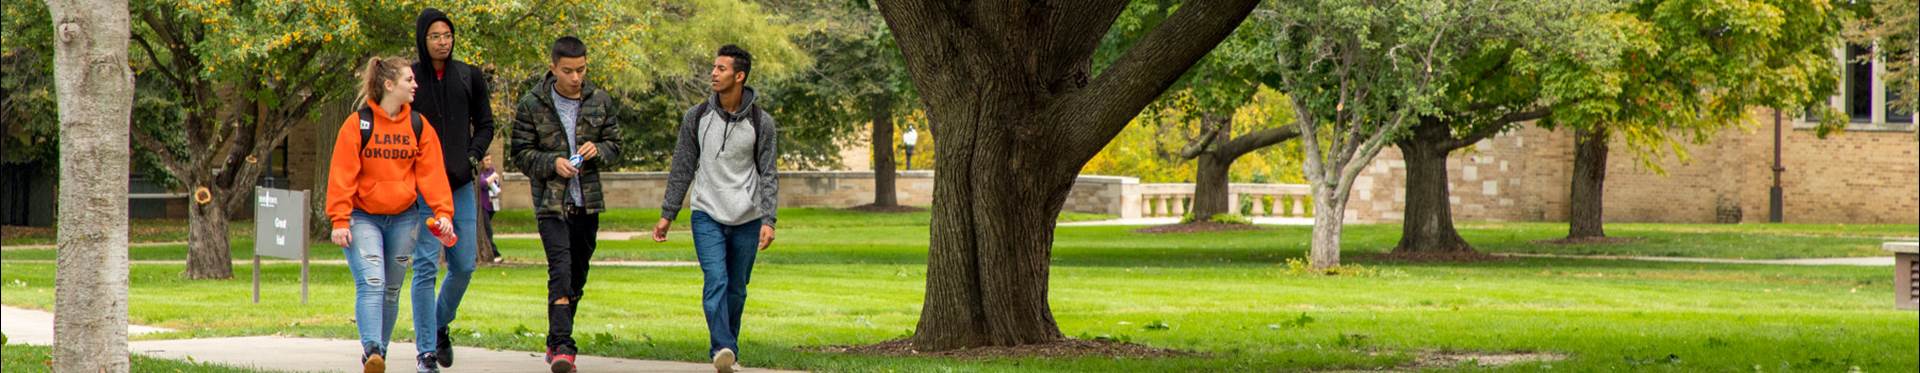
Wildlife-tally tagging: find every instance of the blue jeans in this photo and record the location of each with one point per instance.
(378, 256)
(431, 313)
(726, 260)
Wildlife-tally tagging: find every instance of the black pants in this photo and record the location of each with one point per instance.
(569, 242)
(486, 228)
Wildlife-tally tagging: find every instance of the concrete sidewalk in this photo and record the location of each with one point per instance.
(342, 262)
(131, 245)
(1872, 261)
(287, 354)
(35, 327)
(1175, 220)
(602, 236)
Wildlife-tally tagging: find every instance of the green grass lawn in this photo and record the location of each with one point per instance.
(841, 278)
(882, 233)
(138, 230)
(521, 221)
(25, 358)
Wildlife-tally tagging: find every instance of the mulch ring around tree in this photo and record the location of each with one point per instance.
(1198, 227)
(1591, 241)
(1068, 347)
(1468, 256)
(886, 209)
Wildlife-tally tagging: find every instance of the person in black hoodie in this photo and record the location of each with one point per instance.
(454, 97)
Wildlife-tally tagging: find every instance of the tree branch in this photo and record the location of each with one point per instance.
(1492, 129)
(240, 138)
(1089, 118)
(156, 60)
(1067, 61)
(1526, 116)
(922, 29)
(1255, 141)
(1199, 146)
(167, 158)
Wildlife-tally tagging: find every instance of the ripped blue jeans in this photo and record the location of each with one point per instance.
(379, 255)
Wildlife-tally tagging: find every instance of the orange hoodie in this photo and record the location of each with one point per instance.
(389, 175)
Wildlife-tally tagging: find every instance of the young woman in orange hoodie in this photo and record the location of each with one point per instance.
(382, 163)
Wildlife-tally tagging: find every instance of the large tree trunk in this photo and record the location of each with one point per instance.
(1211, 187)
(1210, 182)
(1428, 223)
(209, 254)
(1010, 87)
(483, 240)
(319, 226)
(992, 240)
(1329, 210)
(95, 89)
(1216, 154)
(884, 192)
(1584, 218)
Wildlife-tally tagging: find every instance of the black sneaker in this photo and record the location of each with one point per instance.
(373, 361)
(425, 364)
(445, 356)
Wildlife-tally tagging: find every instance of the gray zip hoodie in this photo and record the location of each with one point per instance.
(728, 158)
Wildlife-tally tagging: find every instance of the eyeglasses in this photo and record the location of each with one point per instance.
(440, 36)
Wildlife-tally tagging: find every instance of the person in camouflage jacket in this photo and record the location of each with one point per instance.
(559, 120)
(539, 137)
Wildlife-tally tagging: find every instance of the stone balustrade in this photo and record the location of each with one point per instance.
(1260, 200)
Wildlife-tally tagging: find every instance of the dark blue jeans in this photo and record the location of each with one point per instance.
(726, 259)
(431, 313)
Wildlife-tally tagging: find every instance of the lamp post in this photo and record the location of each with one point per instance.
(908, 139)
(1775, 197)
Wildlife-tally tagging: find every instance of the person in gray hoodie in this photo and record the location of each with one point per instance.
(726, 151)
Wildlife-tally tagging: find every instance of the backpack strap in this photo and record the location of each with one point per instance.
(700, 112)
(417, 124)
(753, 119)
(366, 126)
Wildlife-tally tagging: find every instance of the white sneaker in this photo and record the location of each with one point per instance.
(723, 361)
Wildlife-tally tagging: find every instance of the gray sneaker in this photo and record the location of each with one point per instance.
(427, 364)
(723, 361)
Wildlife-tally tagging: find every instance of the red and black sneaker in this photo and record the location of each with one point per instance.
(563, 363)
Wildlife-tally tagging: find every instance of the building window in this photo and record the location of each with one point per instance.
(1864, 98)
(1895, 115)
(1857, 99)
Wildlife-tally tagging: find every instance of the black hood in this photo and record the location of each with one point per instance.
(427, 18)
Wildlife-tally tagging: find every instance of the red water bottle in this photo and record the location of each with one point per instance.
(442, 231)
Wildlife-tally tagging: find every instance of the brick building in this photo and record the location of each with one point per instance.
(1868, 174)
